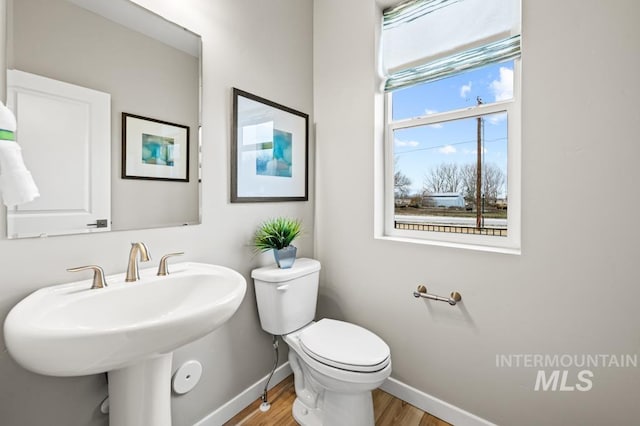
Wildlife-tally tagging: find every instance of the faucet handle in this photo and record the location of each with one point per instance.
(98, 275)
(163, 269)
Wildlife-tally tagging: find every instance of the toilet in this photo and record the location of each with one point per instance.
(335, 364)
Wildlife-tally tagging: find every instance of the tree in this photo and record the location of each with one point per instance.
(493, 182)
(401, 184)
(468, 176)
(446, 177)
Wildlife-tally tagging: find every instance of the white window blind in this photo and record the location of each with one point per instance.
(423, 40)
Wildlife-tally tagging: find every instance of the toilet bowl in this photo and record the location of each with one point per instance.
(332, 388)
(335, 364)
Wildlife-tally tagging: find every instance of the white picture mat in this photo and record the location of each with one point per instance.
(251, 184)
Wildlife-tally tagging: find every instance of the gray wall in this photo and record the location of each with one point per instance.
(261, 47)
(59, 40)
(574, 289)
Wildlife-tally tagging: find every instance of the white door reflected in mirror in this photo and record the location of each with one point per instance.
(65, 134)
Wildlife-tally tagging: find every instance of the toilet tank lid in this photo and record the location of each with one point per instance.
(273, 274)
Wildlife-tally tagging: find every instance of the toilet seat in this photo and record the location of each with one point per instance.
(345, 346)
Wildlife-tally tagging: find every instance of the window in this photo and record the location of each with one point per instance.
(452, 144)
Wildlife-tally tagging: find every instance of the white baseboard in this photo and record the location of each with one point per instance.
(244, 399)
(439, 408)
(432, 405)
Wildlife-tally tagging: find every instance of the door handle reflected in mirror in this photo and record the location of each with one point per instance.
(100, 223)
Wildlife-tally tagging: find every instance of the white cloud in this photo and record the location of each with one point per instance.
(465, 89)
(430, 111)
(502, 89)
(447, 149)
(474, 151)
(407, 143)
(497, 118)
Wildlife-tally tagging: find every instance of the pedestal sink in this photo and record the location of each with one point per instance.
(126, 329)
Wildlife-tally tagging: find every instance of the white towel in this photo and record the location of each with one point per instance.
(7, 119)
(16, 183)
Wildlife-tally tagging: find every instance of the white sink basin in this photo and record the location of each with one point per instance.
(72, 330)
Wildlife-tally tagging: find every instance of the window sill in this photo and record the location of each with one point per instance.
(450, 244)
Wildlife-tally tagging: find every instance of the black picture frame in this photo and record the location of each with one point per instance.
(269, 151)
(154, 149)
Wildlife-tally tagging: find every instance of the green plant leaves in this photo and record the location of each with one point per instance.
(276, 233)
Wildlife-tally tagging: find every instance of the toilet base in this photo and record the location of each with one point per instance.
(339, 410)
(306, 416)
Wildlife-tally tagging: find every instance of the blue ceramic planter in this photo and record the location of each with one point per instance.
(285, 257)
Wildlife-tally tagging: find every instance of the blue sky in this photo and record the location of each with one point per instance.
(420, 148)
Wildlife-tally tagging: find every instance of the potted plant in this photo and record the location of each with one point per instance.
(277, 234)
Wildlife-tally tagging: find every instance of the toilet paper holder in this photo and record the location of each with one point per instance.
(452, 300)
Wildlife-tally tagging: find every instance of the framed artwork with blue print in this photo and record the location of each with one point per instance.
(269, 151)
(153, 149)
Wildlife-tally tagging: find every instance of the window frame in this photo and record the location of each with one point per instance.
(512, 242)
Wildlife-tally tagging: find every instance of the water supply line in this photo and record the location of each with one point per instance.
(265, 403)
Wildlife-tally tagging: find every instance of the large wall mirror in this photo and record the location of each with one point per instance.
(94, 85)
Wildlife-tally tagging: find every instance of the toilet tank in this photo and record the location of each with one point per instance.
(286, 297)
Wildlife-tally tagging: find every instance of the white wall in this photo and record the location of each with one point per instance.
(261, 47)
(575, 287)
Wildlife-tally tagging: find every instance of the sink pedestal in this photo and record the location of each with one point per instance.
(141, 393)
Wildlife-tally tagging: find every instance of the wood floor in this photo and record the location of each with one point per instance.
(388, 410)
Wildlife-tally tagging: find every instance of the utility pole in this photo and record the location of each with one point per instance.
(479, 171)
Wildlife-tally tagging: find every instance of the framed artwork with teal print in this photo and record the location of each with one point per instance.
(154, 149)
(269, 151)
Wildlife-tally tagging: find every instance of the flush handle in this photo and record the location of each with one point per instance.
(283, 287)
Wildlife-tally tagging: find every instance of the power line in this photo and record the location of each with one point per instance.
(448, 144)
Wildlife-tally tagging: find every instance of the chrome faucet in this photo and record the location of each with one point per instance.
(132, 266)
